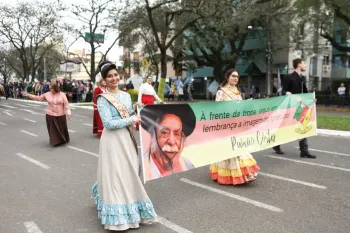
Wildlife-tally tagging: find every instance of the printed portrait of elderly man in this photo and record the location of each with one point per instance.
(168, 126)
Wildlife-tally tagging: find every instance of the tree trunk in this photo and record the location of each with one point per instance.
(163, 72)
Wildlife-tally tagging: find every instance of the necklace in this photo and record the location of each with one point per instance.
(234, 89)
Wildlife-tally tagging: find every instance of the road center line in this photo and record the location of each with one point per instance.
(293, 180)
(1, 123)
(31, 134)
(328, 152)
(8, 106)
(72, 131)
(87, 124)
(83, 151)
(32, 227)
(172, 226)
(309, 163)
(29, 120)
(24, 106)
(234, 196)
(7, 113)
(33, 161)
(80, 115)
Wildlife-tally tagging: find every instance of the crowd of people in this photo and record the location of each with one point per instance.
(76, 91)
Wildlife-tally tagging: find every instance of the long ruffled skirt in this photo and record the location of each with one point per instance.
(234, 171)
(122, 201)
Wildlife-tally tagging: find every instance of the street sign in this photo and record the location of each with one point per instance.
(98, 38)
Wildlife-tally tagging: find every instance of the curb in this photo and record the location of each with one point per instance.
(330, 109)
(333, 132)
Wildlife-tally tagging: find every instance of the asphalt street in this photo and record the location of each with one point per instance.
(48, 189)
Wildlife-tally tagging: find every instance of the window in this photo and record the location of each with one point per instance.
(325, 60)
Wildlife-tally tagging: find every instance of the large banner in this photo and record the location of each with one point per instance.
(179, 137)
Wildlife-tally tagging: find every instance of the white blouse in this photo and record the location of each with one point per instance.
(147, 89)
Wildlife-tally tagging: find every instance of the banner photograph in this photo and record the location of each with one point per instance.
(179, 137)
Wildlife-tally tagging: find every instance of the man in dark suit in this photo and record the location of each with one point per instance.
(294, 83)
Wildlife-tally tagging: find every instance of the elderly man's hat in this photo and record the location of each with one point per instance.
(150, 113)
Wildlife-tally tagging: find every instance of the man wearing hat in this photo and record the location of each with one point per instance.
(169, 126)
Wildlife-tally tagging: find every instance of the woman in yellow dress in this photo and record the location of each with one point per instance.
(240, 169)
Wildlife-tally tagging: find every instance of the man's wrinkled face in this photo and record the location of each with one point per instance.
(169, 135)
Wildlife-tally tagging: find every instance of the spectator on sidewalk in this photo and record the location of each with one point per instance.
(328, 95)
(341, 94)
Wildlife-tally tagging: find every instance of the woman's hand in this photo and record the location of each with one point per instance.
(139, 104)
(69, 116)
(163, 102)
(136, 119)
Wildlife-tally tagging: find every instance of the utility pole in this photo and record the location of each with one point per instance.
(268, 55)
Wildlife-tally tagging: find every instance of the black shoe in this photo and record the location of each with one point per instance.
(278, 151)
(307, 155)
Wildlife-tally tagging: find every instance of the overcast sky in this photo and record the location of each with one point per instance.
(80, 44)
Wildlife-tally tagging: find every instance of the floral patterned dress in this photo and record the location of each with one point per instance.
(240, 169)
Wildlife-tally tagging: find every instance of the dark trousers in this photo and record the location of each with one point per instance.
(341, 101)
(303, 146)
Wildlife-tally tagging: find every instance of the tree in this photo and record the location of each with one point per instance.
(99, 16)
(31, 30)
(169, 19)
(273, 17)
(5, 69)
(327, 16)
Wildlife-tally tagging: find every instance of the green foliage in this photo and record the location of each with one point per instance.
(134, 95)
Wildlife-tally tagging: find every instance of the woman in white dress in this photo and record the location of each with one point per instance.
(122, 202)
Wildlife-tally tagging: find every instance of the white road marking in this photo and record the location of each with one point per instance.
(293, 180)
(72, 131)
(31, 134)
(29, 120)
(8, 106)
(83, 151)
(80, 116)
(32, 112)
(327, 152)
(1, 123)
(309, 163)
(87, 124)
(33, 161)
(172, 226)
(7, 113)
(25, 106)
(32, 227)
(34, 105)
(234, 196)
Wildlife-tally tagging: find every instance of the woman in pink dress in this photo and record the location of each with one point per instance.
(56, 112)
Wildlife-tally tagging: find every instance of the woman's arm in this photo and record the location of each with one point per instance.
(66, 106)
(35, 97)
(106, 116)
(219, 95)
(140, 94)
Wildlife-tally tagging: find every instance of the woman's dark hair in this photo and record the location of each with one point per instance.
(55, 87)
(227, 75)
(106, 68)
